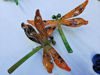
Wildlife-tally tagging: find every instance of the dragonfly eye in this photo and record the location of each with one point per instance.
(53, 17)
(59, 15)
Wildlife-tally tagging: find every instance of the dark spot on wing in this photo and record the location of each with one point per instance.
(61, 61)
(71, 23)
(54, 28)
(44, 21)
(59, 57)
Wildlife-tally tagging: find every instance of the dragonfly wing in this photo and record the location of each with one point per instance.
(47, 61)
(59, 60)
(51, 23)
(30, 32)
(50, 30)
(39, 23)
(75, 12)
(31, 22)
(46, 22)
(76, 22)
(40, 26)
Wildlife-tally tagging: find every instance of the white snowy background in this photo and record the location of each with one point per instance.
(85, 40)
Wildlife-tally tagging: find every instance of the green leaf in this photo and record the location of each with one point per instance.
(21, 61)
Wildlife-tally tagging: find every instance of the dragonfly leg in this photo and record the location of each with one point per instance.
(52, 38)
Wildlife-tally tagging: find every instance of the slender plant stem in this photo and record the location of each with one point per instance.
(64, 40)
(16, 1)
(21, 61)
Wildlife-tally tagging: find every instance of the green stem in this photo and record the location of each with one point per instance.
(21, 61)
(16, 1)
(64, 40)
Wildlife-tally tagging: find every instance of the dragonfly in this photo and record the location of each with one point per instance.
(41, 36)
(66, 20)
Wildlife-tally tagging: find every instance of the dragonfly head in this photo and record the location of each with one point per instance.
(56, 17)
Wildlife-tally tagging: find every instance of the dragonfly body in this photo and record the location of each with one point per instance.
(66, 20)
(45, 29)
(42, 38)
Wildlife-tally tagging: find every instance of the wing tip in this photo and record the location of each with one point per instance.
(68, 69)
(37, 12)
(49, 70)
(86, 22)
(30, 22)
(86, 2)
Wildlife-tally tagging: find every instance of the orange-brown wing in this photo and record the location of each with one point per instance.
(46, 22)
(31, 22)
(40, 25)
(59, 60)
(76, 22)
(30, 32)
(78, 10)
(51, 23)
(47, 61)
(50, 30)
